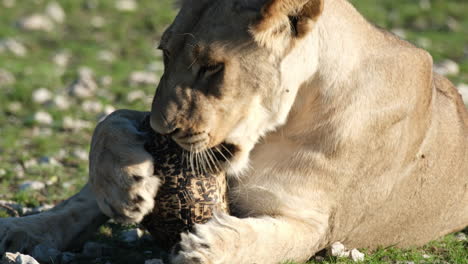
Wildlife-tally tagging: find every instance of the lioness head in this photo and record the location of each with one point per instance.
(232, 71)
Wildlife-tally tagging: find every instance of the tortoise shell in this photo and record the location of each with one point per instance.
(186, 196)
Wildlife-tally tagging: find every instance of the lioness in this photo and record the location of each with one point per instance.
(338, 131)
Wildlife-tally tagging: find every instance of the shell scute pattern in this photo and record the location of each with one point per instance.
(185, 197)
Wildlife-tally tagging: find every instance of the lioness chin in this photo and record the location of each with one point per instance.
(340, 132)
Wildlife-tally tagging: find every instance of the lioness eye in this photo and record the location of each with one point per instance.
(208, 70)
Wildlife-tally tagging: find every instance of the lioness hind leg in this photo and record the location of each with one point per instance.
(66, 226)
(267, 240)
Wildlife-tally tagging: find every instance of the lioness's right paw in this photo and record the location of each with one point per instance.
(19, 235)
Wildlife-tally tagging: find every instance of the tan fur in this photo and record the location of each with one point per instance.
(344, 133)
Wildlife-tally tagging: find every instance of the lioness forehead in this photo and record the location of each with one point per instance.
(208, 21)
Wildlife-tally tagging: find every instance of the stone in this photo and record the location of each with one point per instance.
(143, 78)
(9, 3)
(61, 102)
(43, 118)
(132, 235)
(106, 56)
(447, 68)
(425, 4)
(96, 250)
(80, 154)
(62, 58)
(154, 261)
(70, 123)
(31, 186)
(136, 95)
(356, 256)
(399, 32)
(67, 257)
(85, 86)
(41, 96)
(337, 250)
(98, 21)
(106, 80)
(6, 78)
(36, 22)
(126, 5)
(55, 12)
(14, 107)
(463, 90)
(461, 237)
(92, 106)
(17, 258)
(44, 253)
(13, 46)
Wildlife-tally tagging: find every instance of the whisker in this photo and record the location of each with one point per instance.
(206, 155)
(225, 159)
(191, 160)
(213, 159)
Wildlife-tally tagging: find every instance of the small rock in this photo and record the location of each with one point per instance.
(107, 111)
(356, 256)
(48, 161)
(62, 58)
(30, 163)
(126, 5)
(67, 257)
(338, 250)
(61, 102)
(135, 95)
(97, 21)
(44, 253)
(80, 154)
(106, 56)
(18, 171)
(461, 237)
(41, 96)
(106, 80)
(426, 256)
(425, 4)
(6, 78)
(399, 32)
(9, 3)
(13, 46)
(17, 258)
(453, 24)
(447, 68)
(92, 106)
(132, 235)
(36, 22)
(143, 78)
(154, 261)
(84, 87)
(14, 107)
(2, 172)
(43, 118)
(96, 250)
(70, 123)
(31, 185)
(55, 11)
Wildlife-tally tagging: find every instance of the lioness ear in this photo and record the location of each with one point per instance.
(282, 20)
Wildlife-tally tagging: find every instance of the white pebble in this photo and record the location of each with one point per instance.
(399, 32)
(463, 90)
(135, 95)
(41, 96)
(338, 250)
(70, 123)
(17, 258)
(92, 106)
(83, 87)
(106, 80)
(106, 56)
(36, 22)
(43, 118)
(55, 11)
(143, 78)
(447, 68)
(356, 256)
(31, 185)
(9, 3)
(6, 78)
(126, 5)
(425, 4)
(14, 107)
(80, 154)
(62, 58)
(61, 102)
(461, 237)
(97, 21)
(154, 261)
(13, 46)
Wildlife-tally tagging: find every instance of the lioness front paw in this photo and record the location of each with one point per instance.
(121, 170)
(210, 243)
(21, 235)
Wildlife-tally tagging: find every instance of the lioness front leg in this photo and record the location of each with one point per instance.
(120, 169)
(227, 239)
(66, 226)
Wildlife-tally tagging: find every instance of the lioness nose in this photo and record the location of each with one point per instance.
(161, 126)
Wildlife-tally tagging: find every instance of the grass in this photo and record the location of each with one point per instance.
(131, 37)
